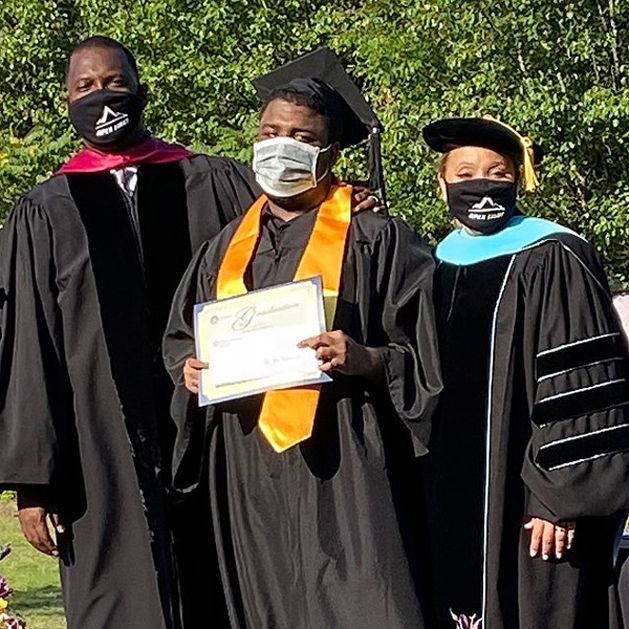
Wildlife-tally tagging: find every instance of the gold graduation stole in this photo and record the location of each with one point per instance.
(287, 415)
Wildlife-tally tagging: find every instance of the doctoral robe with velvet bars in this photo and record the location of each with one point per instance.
(87, 279)
(533, 422)
(325, 533)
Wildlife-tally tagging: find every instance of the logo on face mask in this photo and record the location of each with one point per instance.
(107, 118)
(109, 122)
(486, 210)
(483, 205)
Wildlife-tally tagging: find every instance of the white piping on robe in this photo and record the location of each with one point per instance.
(598, 362)
(488, 437)
(594, 386)
(593, 338)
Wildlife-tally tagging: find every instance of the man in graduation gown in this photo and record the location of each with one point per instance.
(89, 263)
(310, 503)
(529, 460)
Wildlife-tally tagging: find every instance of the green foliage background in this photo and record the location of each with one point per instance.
(557, 70)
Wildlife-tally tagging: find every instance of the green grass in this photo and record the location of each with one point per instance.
(33, 576)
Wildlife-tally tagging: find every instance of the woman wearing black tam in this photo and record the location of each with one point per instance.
(529, 459)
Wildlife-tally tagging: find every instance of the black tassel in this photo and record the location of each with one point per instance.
(376, 174)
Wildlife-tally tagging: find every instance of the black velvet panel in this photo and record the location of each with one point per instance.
(123, 306)
(165, 240)
(607, 441)
(455, 466)
(574, 356)
(580, 403)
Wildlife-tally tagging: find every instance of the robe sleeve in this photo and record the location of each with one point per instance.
(577, 461)
(33, 378)
(192, 421)
(411, 358)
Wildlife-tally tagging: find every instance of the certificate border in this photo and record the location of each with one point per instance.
(323, 378)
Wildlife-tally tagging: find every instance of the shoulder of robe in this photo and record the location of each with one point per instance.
(369, 227)
(564, 246)
(202, 164)
(215, 248)
(564, 257)
(47, 196)
(229, 230)
(36, 202)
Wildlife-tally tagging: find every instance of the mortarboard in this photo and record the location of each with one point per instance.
(449, 133)
(358, 119)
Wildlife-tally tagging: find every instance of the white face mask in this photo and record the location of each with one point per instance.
(285, 167)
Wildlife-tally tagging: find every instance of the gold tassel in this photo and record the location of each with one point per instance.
(529, 176)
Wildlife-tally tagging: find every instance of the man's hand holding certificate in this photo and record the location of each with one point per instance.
(253, 343)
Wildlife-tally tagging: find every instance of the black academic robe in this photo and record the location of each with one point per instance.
(87, 280)
(320, 536)
(533, 422)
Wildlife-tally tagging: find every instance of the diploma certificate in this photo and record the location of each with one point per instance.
(250, 341)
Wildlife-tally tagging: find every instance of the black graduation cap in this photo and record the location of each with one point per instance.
(449, 133)
(359, 120)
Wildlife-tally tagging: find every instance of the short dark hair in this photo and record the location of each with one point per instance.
(313, 102)
(102, 41)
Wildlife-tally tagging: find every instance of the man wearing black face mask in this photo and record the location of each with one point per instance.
(89, 262)
(526, 477)
(107, 119)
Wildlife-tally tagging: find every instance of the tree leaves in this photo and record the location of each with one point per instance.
(557, 71)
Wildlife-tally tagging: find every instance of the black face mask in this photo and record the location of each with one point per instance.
(484, 205)
(107, 119)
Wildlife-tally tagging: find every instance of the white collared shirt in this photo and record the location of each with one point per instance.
(127, 179)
